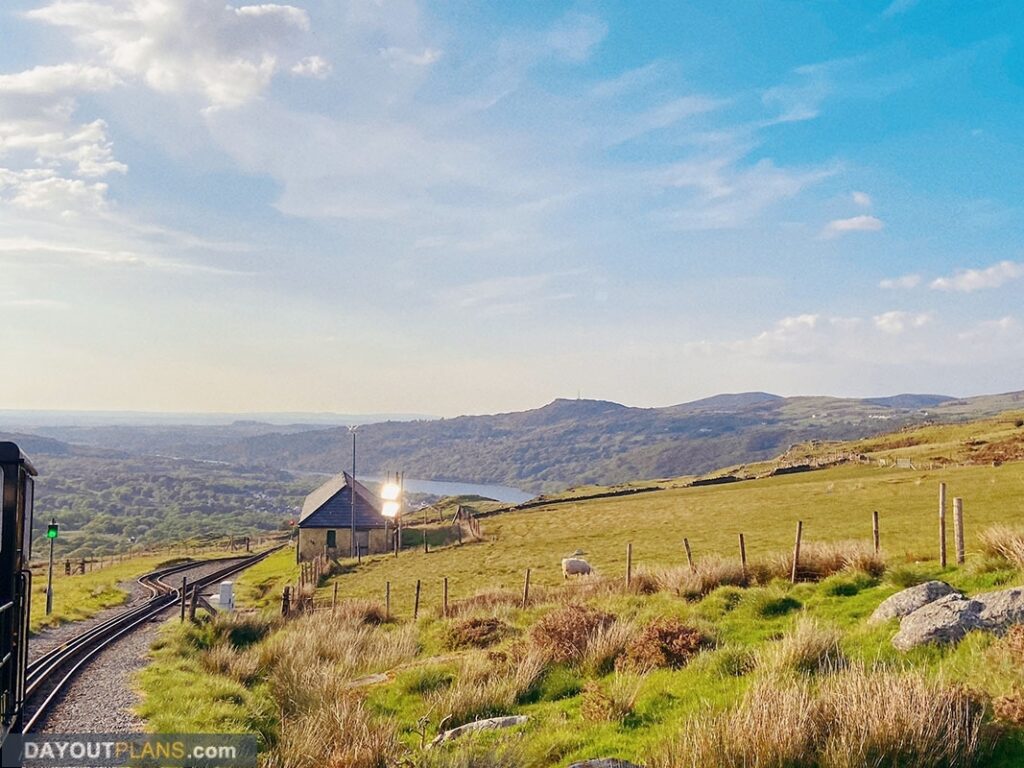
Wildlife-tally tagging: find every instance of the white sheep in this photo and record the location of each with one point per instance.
(575, 565)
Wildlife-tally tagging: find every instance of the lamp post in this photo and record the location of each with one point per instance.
(51, 534)
(391, 509)
(352, 497)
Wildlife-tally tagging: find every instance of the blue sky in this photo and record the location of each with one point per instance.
(475, 207)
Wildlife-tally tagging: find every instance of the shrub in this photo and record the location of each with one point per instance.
(1010, 708)
(562, 635)
(613, 702)
(478, 632)
(1005, 542)
(809, 649)
(857, 717)
(664, 642)
(1014, 643)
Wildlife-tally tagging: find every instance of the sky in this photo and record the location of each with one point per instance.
(469, 207)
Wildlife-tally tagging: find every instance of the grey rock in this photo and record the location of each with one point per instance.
(949, 618)
(489, 724)
(945, 620)
(604, 762)
(1002, 609)
(911, 599)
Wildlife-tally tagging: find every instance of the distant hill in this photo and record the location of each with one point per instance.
(574, 442)
(564, 443)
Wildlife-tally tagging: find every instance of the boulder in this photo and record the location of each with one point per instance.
(1002, 609)
(604, 762)
(491, 723)
(949, 618)
(911, 599)
(945, 620)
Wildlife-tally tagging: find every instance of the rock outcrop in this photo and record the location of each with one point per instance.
(911, 599)
(948, 619)
(489, 724)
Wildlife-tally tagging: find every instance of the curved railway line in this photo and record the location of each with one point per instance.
(48, 675)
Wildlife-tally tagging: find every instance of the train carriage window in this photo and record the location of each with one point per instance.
(3, 490)
(26, 536)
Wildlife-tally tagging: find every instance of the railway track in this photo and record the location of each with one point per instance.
(48, 675)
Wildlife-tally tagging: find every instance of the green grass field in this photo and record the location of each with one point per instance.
(81, 596)
(249, 686)
(834, 504)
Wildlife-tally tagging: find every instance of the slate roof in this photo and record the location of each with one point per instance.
(330, 505)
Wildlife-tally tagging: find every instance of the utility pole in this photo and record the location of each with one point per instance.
(352, 497)
(51, 534)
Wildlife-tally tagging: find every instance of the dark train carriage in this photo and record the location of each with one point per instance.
(16, 473)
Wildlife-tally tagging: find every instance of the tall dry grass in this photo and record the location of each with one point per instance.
(1004, 542)
(339, 731)
(310, 667)
(857, 717)
(483, 690)
(821, 559)
(810, 648)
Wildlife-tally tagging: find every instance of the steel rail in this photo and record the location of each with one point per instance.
(81, 648)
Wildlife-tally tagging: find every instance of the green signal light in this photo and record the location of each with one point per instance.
(51, 531)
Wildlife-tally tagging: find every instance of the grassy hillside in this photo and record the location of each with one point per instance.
(577, 442)
(708, 670)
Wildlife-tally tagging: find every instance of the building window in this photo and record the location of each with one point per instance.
(332, 539)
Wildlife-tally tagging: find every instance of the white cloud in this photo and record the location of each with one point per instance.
(969, 280)
(906, 282)
(727, 195)
(576, 35)
(898, 7)
(863, 199)
(861, 223)
(227, 54)
(312, 66)
(896, 322)
(48, 191)
(397, 56)
(993, 330)
(61, 77)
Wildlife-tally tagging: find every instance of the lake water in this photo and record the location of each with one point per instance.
(503, 493)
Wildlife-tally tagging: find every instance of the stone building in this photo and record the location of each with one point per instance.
(329, 518)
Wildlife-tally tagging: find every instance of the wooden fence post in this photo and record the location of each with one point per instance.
(743, 555)
(416, 605)
(192, 604)
(387, 600)
(334, 599)
(958, 529)
(184, 585)
(689, 554)
(942, 525)
(629, 564)
(286, 599)
(796, 550)
(874, 531)
(526, 589)
(444, 599)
